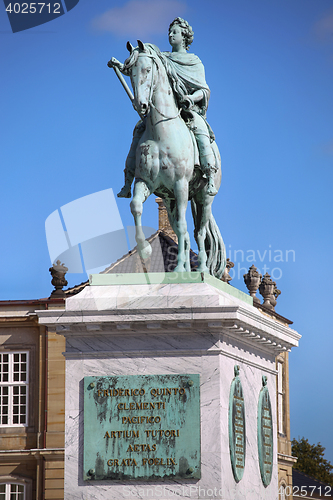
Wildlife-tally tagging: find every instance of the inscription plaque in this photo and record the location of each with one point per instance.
(141, 427)
(265, 434)
(237, 441)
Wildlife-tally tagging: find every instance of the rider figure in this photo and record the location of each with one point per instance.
(192, 94)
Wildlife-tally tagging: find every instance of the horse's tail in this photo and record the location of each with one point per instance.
(215, 249)
(214, 245)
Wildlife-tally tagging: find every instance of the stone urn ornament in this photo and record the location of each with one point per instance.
(226, 276)
(276, 293)
(58, 272)
(269, 291)
(252, 281)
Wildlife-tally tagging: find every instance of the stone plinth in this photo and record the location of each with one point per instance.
(122, 325)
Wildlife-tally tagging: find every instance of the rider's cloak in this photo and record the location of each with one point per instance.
(191, 73)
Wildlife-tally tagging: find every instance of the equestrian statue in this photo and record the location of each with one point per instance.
(173, 152)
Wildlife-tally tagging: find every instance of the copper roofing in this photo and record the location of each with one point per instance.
(163, 259)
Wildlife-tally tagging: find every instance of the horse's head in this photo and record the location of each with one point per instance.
(141, 65)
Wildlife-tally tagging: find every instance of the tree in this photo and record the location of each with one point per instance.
(311, 460)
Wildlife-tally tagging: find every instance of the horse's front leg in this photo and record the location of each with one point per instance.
(141, 193)
(180, 226)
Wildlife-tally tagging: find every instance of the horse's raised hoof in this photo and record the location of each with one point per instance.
(145, 250)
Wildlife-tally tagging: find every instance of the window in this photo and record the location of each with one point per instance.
(12, 491)
(280, 398)
(13, 391)
(282, 491)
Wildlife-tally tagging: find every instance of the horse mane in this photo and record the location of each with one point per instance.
(178, 87)
(131, 60)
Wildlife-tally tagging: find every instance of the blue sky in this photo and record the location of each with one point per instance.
(66, 126)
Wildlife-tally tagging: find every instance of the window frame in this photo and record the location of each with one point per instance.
(10, 483)
(10, 384)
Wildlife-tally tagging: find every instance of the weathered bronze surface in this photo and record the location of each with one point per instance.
(265, 434)
(141, 427)
(237, 436)
(173, 153)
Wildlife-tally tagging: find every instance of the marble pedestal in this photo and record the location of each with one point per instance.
(191, 323)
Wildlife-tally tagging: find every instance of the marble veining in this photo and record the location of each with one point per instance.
(183, 342)
(216, 375)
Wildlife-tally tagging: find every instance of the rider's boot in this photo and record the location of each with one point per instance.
(211, 189)
(129, 171)
(207, 161)
(209, 169)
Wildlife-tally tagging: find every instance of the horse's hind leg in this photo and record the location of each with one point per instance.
(201, 216)
(180, 226)
(141, 193)
(172, 215)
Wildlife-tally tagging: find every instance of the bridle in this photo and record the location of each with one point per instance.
(153, 88)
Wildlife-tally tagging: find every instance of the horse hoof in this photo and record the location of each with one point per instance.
(145, 251)
(179, 269)
(202, 269)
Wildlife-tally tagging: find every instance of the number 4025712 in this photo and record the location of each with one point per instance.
(33, 8)
(304, 491)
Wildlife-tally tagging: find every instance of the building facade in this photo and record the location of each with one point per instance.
(32, 390)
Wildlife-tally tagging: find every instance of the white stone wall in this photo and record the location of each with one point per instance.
(213, 356)
(114, 327)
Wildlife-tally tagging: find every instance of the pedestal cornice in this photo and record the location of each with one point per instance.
(195, 304)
